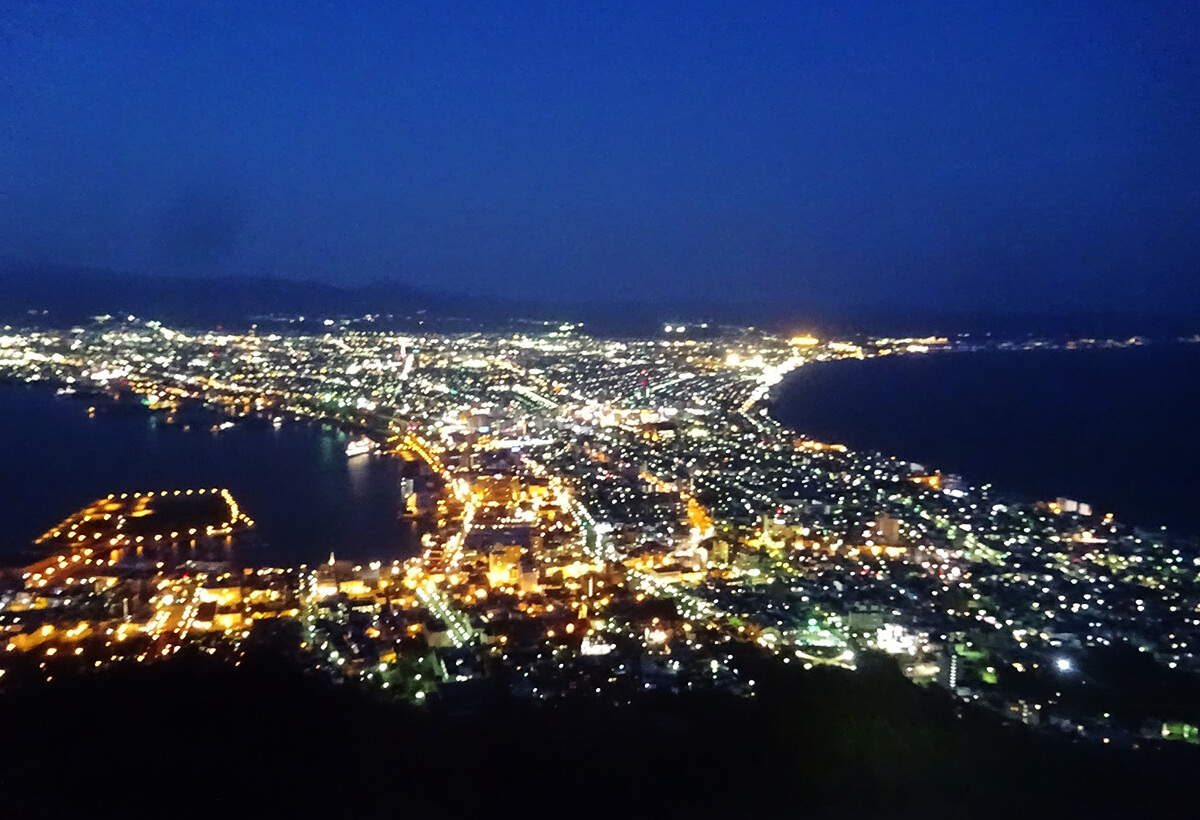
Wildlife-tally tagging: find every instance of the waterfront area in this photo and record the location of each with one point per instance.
(1112, 426)
(606, 518)
(306, 497)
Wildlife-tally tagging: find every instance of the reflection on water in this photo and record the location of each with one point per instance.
(295, 481)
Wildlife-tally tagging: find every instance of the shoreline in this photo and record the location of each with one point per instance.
(972, 459)
(137, 450)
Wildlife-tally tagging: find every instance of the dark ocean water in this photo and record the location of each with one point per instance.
(1119, 429)
(305, 496)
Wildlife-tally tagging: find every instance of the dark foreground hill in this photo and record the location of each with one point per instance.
(191, 735)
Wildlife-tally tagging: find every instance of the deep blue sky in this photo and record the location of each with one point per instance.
(932, 155)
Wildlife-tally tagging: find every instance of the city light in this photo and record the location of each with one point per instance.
(622, 512)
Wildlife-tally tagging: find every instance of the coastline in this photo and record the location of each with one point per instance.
(296, 481)
(1044, 434)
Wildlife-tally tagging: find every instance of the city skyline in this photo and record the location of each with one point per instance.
(577, 525)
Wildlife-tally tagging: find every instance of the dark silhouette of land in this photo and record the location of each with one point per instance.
(197, 734)
(58, 295)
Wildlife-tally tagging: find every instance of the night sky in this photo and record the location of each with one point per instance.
(929, 155)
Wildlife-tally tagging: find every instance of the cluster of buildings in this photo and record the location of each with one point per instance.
(605, 517)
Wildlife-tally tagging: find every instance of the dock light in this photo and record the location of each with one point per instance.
(1062, 664)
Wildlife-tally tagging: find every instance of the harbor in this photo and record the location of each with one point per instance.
(294, 478)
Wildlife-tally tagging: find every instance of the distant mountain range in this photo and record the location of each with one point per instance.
(65, 295)
(60, 295)
(72, 294)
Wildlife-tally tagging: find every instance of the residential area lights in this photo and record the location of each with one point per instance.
(603, 517)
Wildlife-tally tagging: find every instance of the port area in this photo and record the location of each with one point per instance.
(160, 527)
